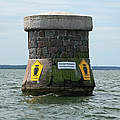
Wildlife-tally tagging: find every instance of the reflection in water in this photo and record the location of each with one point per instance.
(55, 99)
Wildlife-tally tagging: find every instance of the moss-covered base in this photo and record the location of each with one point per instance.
(61, 81)
(61, 91)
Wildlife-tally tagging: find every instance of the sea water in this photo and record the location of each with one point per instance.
(103, 105)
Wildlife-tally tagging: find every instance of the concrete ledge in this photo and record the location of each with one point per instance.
(58, 21)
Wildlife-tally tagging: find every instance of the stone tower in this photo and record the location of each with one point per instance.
(58, 62)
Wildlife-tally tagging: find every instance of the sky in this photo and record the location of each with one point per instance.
(104, 39)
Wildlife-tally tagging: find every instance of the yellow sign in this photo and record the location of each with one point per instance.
(36, 70)
(84, 67)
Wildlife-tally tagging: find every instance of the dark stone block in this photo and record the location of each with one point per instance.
(32, 53)
(41, 33)
(39, 53)
(41, 44)
(33, 44)
(62, 32)
(51, 33)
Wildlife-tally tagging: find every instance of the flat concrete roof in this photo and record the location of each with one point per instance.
(58, 20)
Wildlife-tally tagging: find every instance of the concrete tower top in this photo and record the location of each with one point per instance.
(58, 20)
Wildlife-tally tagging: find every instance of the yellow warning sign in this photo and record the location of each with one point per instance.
(36, 70)
(84, 67)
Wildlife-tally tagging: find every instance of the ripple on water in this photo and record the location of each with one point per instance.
(104, 105)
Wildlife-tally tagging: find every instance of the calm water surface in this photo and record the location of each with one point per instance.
(104, 105)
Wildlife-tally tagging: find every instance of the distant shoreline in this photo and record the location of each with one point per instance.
(93, 67)
(13, 66)
(105, 68)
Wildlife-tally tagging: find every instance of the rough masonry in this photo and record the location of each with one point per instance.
(59, 38)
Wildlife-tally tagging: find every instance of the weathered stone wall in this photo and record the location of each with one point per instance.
(53, 39)
(58, 44)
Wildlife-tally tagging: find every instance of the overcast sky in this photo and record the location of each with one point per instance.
(104, 39)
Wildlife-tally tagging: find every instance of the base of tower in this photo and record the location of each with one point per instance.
(61, 91)
(71, 78)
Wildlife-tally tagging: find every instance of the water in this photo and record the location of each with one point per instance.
(104, 105)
